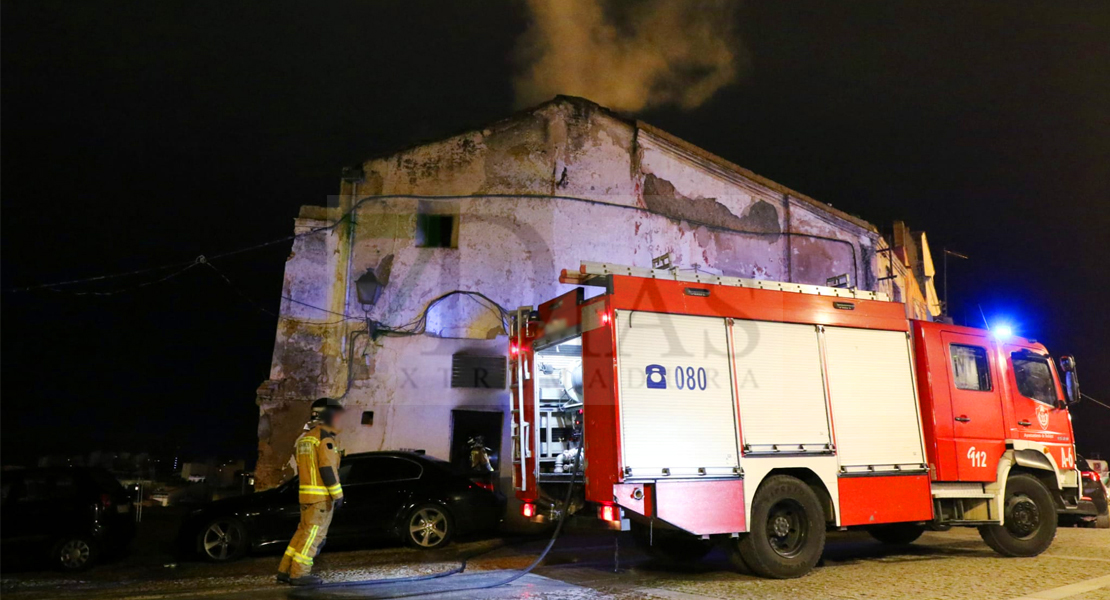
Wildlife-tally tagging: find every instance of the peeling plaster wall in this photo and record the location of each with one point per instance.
(639, 195)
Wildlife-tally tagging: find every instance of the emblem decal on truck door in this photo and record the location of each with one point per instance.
(1042, 417)
(656, 377)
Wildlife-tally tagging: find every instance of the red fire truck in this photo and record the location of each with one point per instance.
(695, 409)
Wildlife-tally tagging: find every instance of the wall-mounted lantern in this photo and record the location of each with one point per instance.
(368, 287)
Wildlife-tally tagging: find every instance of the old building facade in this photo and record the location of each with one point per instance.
(459, 230)
(906, 272)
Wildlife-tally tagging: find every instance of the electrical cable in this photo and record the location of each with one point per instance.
(419, 324)
(241, 294)
(381, 197)
(130, 288)
(515, 576)
(1104, 405)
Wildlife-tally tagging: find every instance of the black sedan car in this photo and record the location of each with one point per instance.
(1094, 508)
(66, 516)
(417, 499)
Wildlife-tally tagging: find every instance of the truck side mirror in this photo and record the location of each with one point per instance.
(1071, 378)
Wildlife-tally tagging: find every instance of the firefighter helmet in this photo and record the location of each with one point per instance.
(326, 408)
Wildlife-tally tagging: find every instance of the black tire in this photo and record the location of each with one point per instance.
(1103, 521)
(896, 534)
(223, 539)
(428, 527)
(668, 545)
(1029, 520)
(74, 553)
(786, 535)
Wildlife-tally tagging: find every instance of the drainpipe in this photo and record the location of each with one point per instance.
(352, 176)
(789, 247)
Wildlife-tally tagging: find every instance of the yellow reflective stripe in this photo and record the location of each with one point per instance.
(312, 487)
(308, 541)
(304, 560)
(289, 551)
(311, 440)
(312, 467)
(335, 490)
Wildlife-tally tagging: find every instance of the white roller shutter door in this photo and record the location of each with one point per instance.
(683, 418)
(874, 404)
(781, 387)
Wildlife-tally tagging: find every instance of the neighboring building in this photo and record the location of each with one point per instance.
(907, 273)
(500, 211)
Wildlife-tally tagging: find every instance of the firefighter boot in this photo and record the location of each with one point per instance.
(309, 579)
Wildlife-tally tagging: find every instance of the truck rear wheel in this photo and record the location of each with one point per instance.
(1029, 519)
(896, 534)
(786, 535)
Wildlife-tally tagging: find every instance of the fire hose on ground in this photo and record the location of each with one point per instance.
(463, 563)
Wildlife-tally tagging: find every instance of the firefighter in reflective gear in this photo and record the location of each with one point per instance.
(317, 457)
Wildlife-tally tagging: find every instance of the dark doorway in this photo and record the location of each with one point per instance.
(467, 425)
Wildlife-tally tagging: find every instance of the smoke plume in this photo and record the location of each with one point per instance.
(628, 56)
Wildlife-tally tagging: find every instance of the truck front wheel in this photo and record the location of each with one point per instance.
(786, 534)
(1029, 519)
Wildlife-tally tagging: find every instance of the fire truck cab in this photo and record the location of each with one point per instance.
(695, 409)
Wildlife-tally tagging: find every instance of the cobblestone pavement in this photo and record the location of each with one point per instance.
(951, 565)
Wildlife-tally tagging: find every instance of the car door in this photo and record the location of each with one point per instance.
(978, 430)
(45, 505)
(279, 513)
(1039, 410)
(375, 490)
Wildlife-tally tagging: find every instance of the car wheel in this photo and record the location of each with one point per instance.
(223, 539)
(787, 530)
(1029, 519)
(670, 546)
(74, 553)
(1103, 521)
(896, 534)
(428, 526)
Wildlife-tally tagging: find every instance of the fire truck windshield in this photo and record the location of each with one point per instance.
(1034, 377)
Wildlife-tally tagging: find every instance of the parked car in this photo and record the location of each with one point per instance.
(386, 494)
(67, 516)
(1094, 509)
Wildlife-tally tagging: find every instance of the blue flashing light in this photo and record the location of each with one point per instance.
(1002, 331)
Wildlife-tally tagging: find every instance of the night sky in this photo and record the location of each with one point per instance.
(147, 133)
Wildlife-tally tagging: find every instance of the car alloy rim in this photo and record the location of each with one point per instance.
(787, 528)
(75, 553)
(222, 540)
(428, 527)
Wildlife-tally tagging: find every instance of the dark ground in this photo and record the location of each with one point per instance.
(950, 565)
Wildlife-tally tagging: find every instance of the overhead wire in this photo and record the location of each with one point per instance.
(240, 292)
(1103, 404)
(123, 290)
(382, 197)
